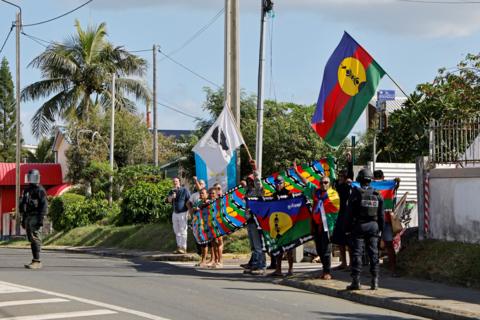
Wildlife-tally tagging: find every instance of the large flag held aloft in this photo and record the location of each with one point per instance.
(217, 146)
(350, 79)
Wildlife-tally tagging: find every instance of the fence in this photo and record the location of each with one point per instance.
(455, 142)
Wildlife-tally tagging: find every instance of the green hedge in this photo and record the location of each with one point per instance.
(145, 202)
(72, 210)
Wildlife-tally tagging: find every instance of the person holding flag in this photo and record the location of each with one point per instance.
(326, 203)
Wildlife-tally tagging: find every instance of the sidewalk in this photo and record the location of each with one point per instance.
(418, 297)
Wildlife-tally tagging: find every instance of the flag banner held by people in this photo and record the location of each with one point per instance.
(227, 214)
(387, 189)
(350, 79)
(217, 146)
(329, 206)
(285, 223)
(227, 178)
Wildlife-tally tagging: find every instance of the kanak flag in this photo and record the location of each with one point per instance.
(350, 79)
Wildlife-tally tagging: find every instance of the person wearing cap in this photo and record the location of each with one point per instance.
(253, 188)
(33, 208)
(281, 190)
(364, 222)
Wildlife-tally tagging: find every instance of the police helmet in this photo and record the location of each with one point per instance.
(364, 176)
(33, 176)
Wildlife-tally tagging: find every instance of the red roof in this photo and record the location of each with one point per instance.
(58, 190)
(50, 173)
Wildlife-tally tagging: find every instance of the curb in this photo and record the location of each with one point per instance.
(383, 302)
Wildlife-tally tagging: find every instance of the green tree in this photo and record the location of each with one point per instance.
(452, 95)
(78, 77)
(44, 152)
(7, 114)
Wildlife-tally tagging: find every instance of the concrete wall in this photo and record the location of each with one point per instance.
(455, 204)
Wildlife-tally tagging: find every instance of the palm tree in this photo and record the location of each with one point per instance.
(77, 78)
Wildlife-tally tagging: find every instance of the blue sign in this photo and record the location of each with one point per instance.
(384, 95)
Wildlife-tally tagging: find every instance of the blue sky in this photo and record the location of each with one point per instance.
(409, 40)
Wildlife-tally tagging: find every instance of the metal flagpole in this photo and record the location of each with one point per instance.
(267, 6)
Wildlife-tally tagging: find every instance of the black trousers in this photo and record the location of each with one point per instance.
(365, 236)
(34, 236)
(324, 248)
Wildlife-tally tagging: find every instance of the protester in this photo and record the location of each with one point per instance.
(343, 186)
(199, 185)
(281, 190)
(365, 220)
(33, 208)
(387, 235)
(321, 231)
(254, 188)
(217, 243)
(178, 197)
(198, 205)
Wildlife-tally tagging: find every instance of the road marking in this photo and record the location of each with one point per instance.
(63, 315)
(26, 302)
(7, 288)
(87, 301)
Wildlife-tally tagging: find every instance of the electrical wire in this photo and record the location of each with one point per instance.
(197, 34)
(6, 39)
(57, 17)
(188, 69)
(177, 110)
(440, 2)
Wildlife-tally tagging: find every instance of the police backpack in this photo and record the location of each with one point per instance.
(368, 204)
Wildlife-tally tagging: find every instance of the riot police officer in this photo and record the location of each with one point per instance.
(33, 207)
(364, 224)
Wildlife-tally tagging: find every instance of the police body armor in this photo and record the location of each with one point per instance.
(368, 205)
(31, 201)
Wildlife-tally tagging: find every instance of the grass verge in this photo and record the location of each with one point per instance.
(453, 263)
(148, 237)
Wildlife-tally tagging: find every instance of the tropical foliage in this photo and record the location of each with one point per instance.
(77, 78)
(7, 114)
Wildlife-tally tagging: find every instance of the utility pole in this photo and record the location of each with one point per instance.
(232, 65)
(267, 6)
(112, 140)
(18, 26)
(154, 105)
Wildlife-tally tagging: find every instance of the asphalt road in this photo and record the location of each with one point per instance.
(80, 286)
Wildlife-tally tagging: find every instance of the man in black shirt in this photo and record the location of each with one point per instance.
(33, 207)
(365, 224)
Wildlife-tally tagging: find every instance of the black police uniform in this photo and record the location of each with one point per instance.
(33, 207)
(365, 224)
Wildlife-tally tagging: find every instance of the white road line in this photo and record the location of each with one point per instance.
(11, 289)
(26, 302)
(63, 315)
(87, 301)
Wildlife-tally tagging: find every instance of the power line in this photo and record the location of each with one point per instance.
(188, 69)
(197, 34)
(57, 17)
(6, 39)
(440, 2)
(178, 110)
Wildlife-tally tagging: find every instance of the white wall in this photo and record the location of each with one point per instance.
(455, 204)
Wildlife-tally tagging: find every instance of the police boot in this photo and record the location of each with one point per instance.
(34, 265)
(355, 285)
(374, 283)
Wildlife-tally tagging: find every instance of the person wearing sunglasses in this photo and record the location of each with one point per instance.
(322, 226)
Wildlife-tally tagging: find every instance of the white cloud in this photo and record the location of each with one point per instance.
(389, 16)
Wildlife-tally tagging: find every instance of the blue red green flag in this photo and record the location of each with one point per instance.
(350, 80)
(285, 223)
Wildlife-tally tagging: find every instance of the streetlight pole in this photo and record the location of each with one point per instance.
(18, 26)
(154, 104)
(267, 6)
(112, 140)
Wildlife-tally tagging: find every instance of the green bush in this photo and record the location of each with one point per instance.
(128, 176)
(145, 202)
(72, 210)
(63, 212)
